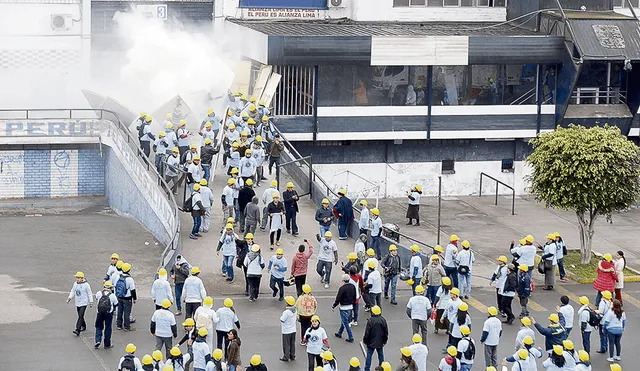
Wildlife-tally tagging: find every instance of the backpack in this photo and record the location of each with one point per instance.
(141, 130)
(594, 318)
(121, 287)
(128, 363)
(187, 205)
(470, 353)
(202, 320)
(104, 304)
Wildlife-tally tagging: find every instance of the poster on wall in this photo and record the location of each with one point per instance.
(306, 14)
(284, 4)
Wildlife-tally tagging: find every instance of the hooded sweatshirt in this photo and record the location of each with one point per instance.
(82, 293)
(300, 262)
(160, 290)
(254, 263)
(252, 212)
(193, 290)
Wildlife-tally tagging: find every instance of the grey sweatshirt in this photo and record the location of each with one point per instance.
(252, 211)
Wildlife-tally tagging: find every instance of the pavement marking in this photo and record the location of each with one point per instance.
(476, 304)
(568, 293)
(536, 307)
(93, 350)
(630, 299)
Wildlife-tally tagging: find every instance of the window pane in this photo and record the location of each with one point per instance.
(467, 2)
(418, 2)
(434, 2)
(451, 2)
(399, 3)
(482, 2)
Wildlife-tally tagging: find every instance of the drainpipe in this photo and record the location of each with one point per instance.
(429, 99)
(316, 90)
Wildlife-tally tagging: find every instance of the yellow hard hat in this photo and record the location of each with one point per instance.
(463, 307)
(169, 125)
(529, 238)
(193, 146)
(274, 183)
(522, 241)
(166, 303)
(419, 289)
(252, 99)
(328, 234)
(210, 111)
(406, 351)
(352, 256)
(584, 300)
(371, 252)
(195, 270)
(491, 368)
(289, 184)
(148, 118)
(189, 322)
(157, 355)
(491, 79)
(143, 114)
(249, 182)
(551, 236)
(228, 302)
(568, 344)
(446, 281)
(523, 353)
(325, 201)
(217, 354)
(279, 252)
(130, 348)
(183, 122)
(354, 362)
(244, 134)
(175, 351)
(557, 349)
(229, 112)
(375, 211)
(306, 288)
(251, 121)
(415, 248)
(256, 360)
(203, 332)
(107, 284)
(502, 258)
(376, 310)
(115, 256)
(615, 367)
(237, 93)
(147, 360)
(255, 247)
(265, 118)
(232, 126)
(327, 355)
(606, 294)
(259, 138)
(231, 220)
(607, 257)
(79, 275)
(196, 187)
(231, 181)
(553, 317)
(203, 182)
(454, 237)
(438, 248)
(523, 268)
(289, 300)
(196, 158)
(528, 340)
(262, 102)
(119, 264)
(243, 97)
(416, 338)
(466, 243)
(175, 150)
(393, 247)
(364, 203)
(410, 282)
(452, 351)
(126, 267)
(249, 236)
(465, 330)
(386, 366)
(208, 124)
(162, 134)
(583, 355)
(168, 116)
(315, 317)
(228, 226)
(371, 264)
(207, 300)
(418, 188)
(525, 321)
(275, 195)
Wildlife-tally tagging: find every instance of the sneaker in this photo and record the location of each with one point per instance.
(349, 340)
(118, 328)
(133, 320)
(274, 293)
(108, 346)
(466, 296)
(303, 343)
(130, 329)
(277, 243)
(386, 296)
(393, 302)
(193, 237)
(610, 359)
(601, 351)
(76, 332)
(337, 335)
(289, 231)
(366, 309)
(617, 358)
(280, 298)
(409, 223)
(224, 274)
(343, 238)
(178, 313)
(417, 225)
(326, 285)
(271, 247)
(97, 345)
(231, 279)
(198, 234)
(354, 323)
(283, 359)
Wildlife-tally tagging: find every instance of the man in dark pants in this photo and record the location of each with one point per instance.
(344, 209)
(274, 153)
(509, 292)
(126, 294)
(291, 208)
(179, 273)
(376, 335)
(104, 317)
(82, 295)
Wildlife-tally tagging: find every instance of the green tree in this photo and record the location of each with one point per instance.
(591, 171)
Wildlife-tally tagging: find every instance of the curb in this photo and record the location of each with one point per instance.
(574, 277)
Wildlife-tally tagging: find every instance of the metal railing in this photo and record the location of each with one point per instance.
(599, 95)
(498, 183)
(524, 97)
(364, 191)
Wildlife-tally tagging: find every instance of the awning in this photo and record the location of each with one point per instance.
(386, 43)
(607, 39)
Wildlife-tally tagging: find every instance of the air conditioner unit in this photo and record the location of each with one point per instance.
(61, 21)
(337, 3)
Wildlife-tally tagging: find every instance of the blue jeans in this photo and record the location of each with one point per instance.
(232, 367)
(561, 267)
(179, 287)
(431, 293)
(393, 280)
(465, 367)
(324, 229)
(197, 220)
(375, 245)
(345, 318)
(604, 339)
(124, 313)
(354, 312)
(342, 227)
(227, 265)
(614, 340)
(290, 219)
(367, 364)
(586, 341)
(104, 321)
(452, 273)
(464, 282)
(207, 171)
(273, 281)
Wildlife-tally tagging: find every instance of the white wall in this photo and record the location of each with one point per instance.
(396, 179)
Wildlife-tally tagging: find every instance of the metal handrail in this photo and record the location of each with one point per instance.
(524, 97)
(498, 182)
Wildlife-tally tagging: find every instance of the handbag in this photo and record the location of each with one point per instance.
(548, 265)
(463, 269)
(541, 267)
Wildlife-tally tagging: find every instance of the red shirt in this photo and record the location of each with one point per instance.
(300, 262)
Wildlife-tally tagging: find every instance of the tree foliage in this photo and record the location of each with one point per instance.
(592, 171)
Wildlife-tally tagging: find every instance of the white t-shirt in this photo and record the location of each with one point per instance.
(415, 262)
(227, 192)
(522, 333)
(449, 254)
(527, 254)
(501, 277)
(494, 327)
(465, 258)
(583, 316)
(416, 198)
(195, 171)
(452, 308)
(446, 367)
(288, 321)
(419, 353)
(365, 266)
(550, 248)
(568, 313)
(164, 319)
(419, 306)
(455, 329)
(463, 345)
(375, 280)
(315, 340)
(531, 363)
(226, 319)
(326, 250)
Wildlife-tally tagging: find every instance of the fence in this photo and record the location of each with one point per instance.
(498, 183)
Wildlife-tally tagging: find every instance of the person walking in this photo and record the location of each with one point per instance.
(521, 360)
(614, 323)
(464, 261)
(276, 269)
(365, 217)
(106, 303)
(525, 254)
(216, 363)
(584, 316)
(251, 216)
(432, 277)
(376, 335)
(524, 331)
(554, 334)
(207, 202)
(267, 197)
(450, 361)
(227, 319)
(245, 197)
(129, 362)
(227, 244)
(524, 289)
(376, 232)
(274, 152)
(419, 311)
(324, 216)
(466, 349)
(316, 340)
(161, 289)
(160, 148)
(200, 350)
(179, 273)
(442, 304)
(419, 351)
(460, 318)
(193, 292)
(255, 264)
(550, 262)
(491, 333)
(413, 210)
(498, 279)
(206, 317)
(391, 267)
(177, 360)
(207, 151)
(604, 307)
(233, 351)
(606, 277)
(288, 329)
(345, 298)
(357, 282)
(299, 266)
(127, 296)
(226, 200)
(144, 134)
(194, 172)
(584, 363)
(373, 285)
(556, 360)
(449, 259)
(509, 292)
(197, 210)
(163, 326)
(619, 265)
(406, 360)
(327, 256)
(291, 197)
(83, 296)
(415, 267)
(275, 210)
(344, 210)
(306, 307)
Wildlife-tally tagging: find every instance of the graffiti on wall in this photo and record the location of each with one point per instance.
(11, 169)
(61, 177)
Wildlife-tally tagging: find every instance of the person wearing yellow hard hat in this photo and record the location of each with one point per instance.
(554, 333)
(164, 326)
(177, 360)
(217, 362)
(275, 149)
(291, 197)
(491, 333)
(449, 262)
(227, 245)
(267, 197)
(190, 332)
(206, 317)
(550, 262)
(207, 152)
(557, 359)
(343, 210)
(498, 279)
(419, 351)
(161, 289)
(509, 293)
(227, 200)
(276, 268)
(227, 321)
(245, 197)
(466, 348)
(258, 155)
(288, 329)
(194, 171)
(193, 292)
(179, 273)
(106, 303)
(147, 363)
(376, 335)
(247, 165)
(443, 299)
(522, 360)
(406, 360)
(214, 120)
(200, 350)
(525, 253)
(585, 315)
(160, 148)
(413, 211)
(373, 284)
(171, 136)
(183, 138)
(187, 157)
(316, 340)
(452, 308)
(144, 133)
(415, 267)
(172, 169)
(197, 210)
(376, 232)
(419, 310)
(306, 307)
(450, 361)
(324, 216)
(129, 361)
(365, 217)
(115, 258)
(207, 201)
(346, 296)
(464, 260)
(605, 278)
(255, 364)
(276, 214)
(354, 364)
(327, 257)
(300, 264)
(524, 289)
(391, 266)
(83, 296)
(255, 264)
(432, 277)
(524, 331)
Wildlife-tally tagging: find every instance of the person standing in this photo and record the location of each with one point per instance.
(177, 360)
(498, 278)
(160, 147)
(251, 216)
(227, 244)
(561, 251)
(106, 303)
(227, 318)
(464, 260)
(267, 196)
(413, 211)
(376, 335)
(276, 268)
(614, 323)
(524, 289)
(358, 283)
(145, 136)
(233, 351)
(344, 210)
(275, 210)
(391, 266)
(324, 216)
(183, 137)
(509, 292)
(554, 334)
(606, 276)
(206, 157)
(374, 285)
(227, 200)
(345, 298)
(206, 317)
(245, 196)
(288, 328)
(306, 307)
(619, 265)
(161, 289)
(129, 361)
(274, 152)
(327, 256)
(179, 273)
(415, 267)
(207, 202)
(291, 208)
(450, 362)
(567, 312)
(127, 296)
(194, 292)
(365, 218)
(113, 267)
(584, 363)
(255, 264)
(376, 232)
(419, 351)
(200, 350)
(526, 254)
(197, 210)
(419, 311)
(491, 333)
(604, 307)
(172, 171)
(163, 326)
(466, 349)
(299, 266)
(194, 172)
(83, 296)
(449, 259)
(584, 314)
(248, 166)
(316, 340)
(550, 262)
(432, 277)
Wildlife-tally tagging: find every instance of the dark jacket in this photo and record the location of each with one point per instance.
(289, 203)
(182, 273)
(322, 213)
(524, 285)
(260, 367)
(245, 195)
(376, 334)
(344, 207)
(553, 335)
(347, 267)
(233, 353)
(276, 149)
(391, 265)
(511, 283)
(242, 248)
(346, 295)
(206, 154)
(272, 208)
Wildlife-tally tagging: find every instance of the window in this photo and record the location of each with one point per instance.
(445, 3)
(295, 93)
(624, 4)
(451, 3)
(507, 165)
(401, 3)
(448, 167)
